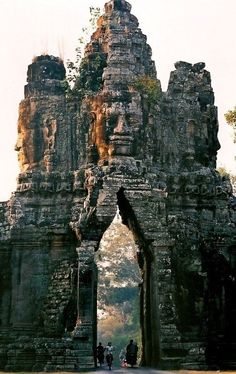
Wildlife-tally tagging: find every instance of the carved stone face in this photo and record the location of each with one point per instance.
(36, 138)
(22, 155)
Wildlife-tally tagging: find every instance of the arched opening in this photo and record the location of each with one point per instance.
(138, 289)
(149, 316)
(138, 313)
(118, 290)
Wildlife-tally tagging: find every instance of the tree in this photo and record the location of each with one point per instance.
(230, 117)
(73, 68)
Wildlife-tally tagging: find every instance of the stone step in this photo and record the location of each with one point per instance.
(194, 366)
(167, 363)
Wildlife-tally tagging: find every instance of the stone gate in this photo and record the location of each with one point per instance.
(117, 139)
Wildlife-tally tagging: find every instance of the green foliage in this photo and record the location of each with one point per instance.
(120, 295)
(121, 325)
(230, 118)
(118, 291)
(149, 88)
(89, 79)
(73, 68)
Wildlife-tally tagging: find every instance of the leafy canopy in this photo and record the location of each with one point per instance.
(73, 68)
(230, 117)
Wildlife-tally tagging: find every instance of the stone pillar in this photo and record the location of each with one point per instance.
(86, 291)
(164, 332)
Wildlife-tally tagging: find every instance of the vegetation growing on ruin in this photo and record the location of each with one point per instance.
(230, 117)
(149, 88)
(83, 75)
(89, 79)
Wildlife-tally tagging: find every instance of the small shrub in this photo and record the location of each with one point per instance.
(149, 88)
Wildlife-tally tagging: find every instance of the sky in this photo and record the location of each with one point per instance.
(187, 30)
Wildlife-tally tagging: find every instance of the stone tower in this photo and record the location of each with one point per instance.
(117, 140)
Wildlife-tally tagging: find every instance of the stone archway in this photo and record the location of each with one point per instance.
(149, 298)
(118, 291)
(146, 263)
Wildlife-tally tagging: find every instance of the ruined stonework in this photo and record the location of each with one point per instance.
(117, 139)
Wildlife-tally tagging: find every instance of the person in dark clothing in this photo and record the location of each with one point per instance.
(131, 353)
(100, 353)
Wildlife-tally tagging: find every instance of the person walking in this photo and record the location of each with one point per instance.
(109, 354)
(131, 353)
(100, 354)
